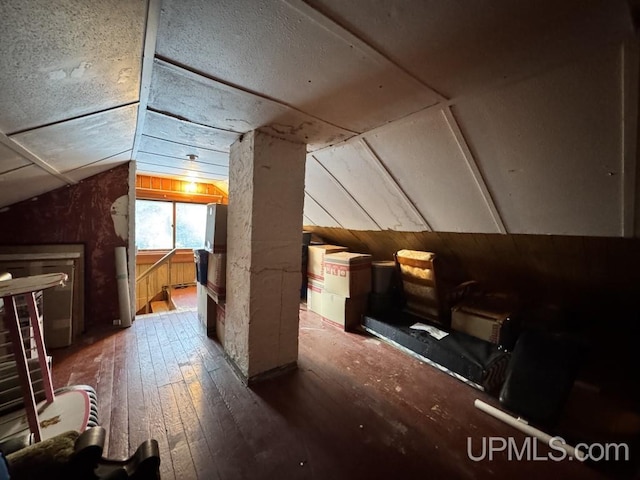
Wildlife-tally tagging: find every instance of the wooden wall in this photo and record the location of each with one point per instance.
(161, 188)
(592, 273)
(183, 271)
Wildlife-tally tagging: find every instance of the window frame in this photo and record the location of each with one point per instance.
(153, 254)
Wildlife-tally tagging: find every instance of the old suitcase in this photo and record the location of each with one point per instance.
(487, 317)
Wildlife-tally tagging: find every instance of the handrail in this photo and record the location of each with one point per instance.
(156, 265)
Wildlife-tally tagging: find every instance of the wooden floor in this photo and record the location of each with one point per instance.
(355, 408)
(185, 297)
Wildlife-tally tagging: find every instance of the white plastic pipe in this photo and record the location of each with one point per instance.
(123, 287)
(527, 429)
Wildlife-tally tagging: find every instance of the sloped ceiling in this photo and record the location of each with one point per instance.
(477, 116)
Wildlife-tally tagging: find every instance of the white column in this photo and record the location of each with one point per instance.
(264, 236)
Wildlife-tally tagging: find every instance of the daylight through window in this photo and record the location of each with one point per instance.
(167, 225)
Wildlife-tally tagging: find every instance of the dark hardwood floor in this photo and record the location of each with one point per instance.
(355, 408)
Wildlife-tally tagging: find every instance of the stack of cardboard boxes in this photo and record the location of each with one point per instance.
(211, 295)
(315, 274)
(339, 284)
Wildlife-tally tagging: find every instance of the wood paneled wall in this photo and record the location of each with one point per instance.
(182, 272)
(161, 188)
(582, 273)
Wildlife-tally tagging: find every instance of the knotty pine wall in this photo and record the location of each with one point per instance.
(151, 187)
(596, 274)
(183, 271)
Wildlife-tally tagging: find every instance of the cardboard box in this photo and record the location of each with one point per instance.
(343, 311)
(215, 238)
(314, 298)
(315, 265)
(347, 274)
(217, 275)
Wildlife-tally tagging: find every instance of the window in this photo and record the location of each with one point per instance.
(191, 221)
(166, 225)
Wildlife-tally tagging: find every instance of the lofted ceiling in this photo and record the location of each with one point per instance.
(461, 116)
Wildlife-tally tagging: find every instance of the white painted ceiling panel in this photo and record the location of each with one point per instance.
(372, 187)
(550, 148)
(10, 160)
(99, 166)
(316, 214)
(544, 132)
(69, 145)
(461, 47)
(320, 185)
(206, 102)
(422, 155)
(25, 183)
(179, 131)
(218, 171)
(67, 59)
(178, 151)
(270, 47)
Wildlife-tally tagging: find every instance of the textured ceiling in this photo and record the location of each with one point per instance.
(477, 116)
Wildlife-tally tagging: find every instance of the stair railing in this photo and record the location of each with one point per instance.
(145, 276)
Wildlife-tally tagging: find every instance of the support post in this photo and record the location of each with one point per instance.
(264, 237)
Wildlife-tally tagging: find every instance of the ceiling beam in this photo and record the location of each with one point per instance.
(33, 158)
(246, 91)
(190, 122)
(307, 194)
(148, 55)
(382, 169)
(383, 128)
(344, 190)
(473, 167)
(70, 119)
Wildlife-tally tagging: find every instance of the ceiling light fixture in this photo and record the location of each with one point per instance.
(192, 156)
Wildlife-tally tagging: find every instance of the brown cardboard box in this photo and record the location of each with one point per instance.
(346, 312)
(215, 239)
(347, 274)
(217, 275)
(314, 299)
(315, 265)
